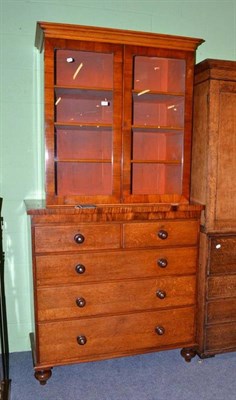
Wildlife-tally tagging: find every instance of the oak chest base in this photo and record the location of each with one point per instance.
(113, 284)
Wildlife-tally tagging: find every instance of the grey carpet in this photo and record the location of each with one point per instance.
(155, 376)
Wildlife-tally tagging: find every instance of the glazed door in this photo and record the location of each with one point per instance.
(157, 125)
(83, 122)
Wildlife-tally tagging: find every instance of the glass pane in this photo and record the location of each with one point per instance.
(84, 143)
(157, 145)
(158, 125)
(156, 179)
(84, 69)
(159, 74)
(159, 110)
(87, 106)
(84, 178)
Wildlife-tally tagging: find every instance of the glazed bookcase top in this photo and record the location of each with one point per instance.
(118, 115)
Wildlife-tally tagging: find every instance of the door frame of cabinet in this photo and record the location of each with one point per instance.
(129, 53)
(50, 36)
(50, 46)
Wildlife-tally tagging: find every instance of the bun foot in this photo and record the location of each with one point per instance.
(188, 354)
(43, 375)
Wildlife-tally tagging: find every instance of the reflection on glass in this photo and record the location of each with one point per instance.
(85, 106)
(159, 110)
(159, 74)
(84, 69)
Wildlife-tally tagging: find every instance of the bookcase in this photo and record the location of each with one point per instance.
(115, 243)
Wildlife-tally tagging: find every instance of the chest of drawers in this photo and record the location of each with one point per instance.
(113, 285)
(218, 310)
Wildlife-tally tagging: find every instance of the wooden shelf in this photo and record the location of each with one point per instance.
(77, 125)
(83, 161)
(168, 162)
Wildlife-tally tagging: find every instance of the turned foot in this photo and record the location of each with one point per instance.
(188, 354)
(43, 375)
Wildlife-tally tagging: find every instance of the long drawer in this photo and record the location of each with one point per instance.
(223, 310)
(114, 297)
(58, 238)
(223, 254)
(93, 338)
(161, 233)
(221, 286)
(221, 337)
(96, 266)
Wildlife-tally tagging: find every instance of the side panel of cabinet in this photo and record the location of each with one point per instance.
(200, 143)
(225, 213)
(201, 295)
(205, 148)
(213, 156)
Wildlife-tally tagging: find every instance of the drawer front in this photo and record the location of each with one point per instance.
(114, 335)
(65, 238)
(163, 233)
(222, 286)
(223, 254)
(221, 337)
(114, 297)
(221, 311)
(92, 267)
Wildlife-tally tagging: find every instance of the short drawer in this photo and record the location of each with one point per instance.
(59, 238)
(114, 297)
(221, 286)
(162, 233)
(223, 254)
(89, 339)
(113, 265)
(221, 337)
(221, 311)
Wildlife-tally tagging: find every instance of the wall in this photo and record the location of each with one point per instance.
(21, 130)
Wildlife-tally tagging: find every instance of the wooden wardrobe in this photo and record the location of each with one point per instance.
(214, 184)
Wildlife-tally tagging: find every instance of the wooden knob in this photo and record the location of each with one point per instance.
(161, 294)
(162, 234)
(162, 262)
(80, 269)
(81, 340)
(79, 238)
(81, 302)
(160, 330)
